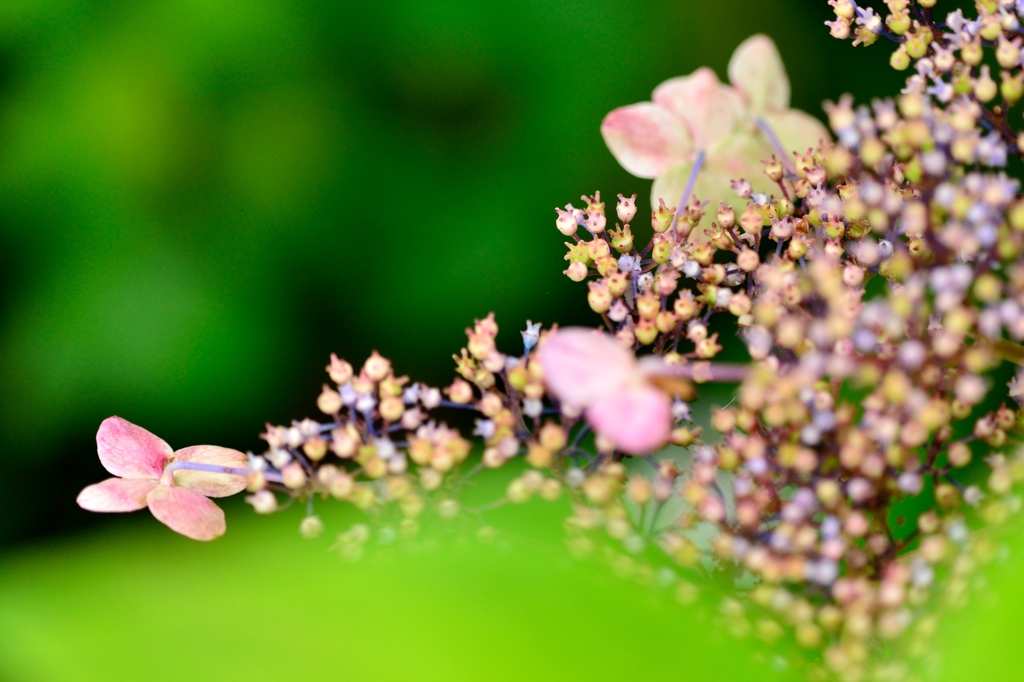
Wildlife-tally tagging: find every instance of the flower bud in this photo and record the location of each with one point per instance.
(639, 490)
(661, 218)
(311, 526)
(566, 221)
(329, 401)
(648, 305)
(341, 485)
(460, 392)
(315, 448)
(550, 490)
(448, 509)
(577, 271)
(293, 476)
(539, 456)
(599, 297)
(645, 332)
(985, 89)
(626, 209)
(263, 502)
(339, 370)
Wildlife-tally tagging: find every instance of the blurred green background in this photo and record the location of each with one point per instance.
(201, 199)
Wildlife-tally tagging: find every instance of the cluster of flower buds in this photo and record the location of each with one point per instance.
(878, 290)
(381, 449)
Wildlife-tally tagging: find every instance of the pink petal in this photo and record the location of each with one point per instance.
(206, 483)
(797, 131)
(756, 70)
(582, 365)
(646, 138)
(711, 110)
(187, 512)
(130, 451)
(116, 494)
(637, 419)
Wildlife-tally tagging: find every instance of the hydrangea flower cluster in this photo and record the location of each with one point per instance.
(873, 276)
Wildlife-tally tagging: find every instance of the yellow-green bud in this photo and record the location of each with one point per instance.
(899, 59)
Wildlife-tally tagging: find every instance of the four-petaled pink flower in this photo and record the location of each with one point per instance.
(588, 369)
(174, 485)
(690, 114)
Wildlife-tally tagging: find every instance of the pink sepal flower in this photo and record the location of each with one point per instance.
(689, 114)
(177, 497)
(588, 369)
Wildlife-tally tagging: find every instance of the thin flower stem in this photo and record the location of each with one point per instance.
(777, 145)
(457, 406)
(697, 166)
(218, 469)
(714, 372)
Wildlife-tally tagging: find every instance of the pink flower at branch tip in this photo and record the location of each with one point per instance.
(588, 369)
(689, 114)
(146, 476)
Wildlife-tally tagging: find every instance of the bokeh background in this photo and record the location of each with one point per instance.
(201, 199)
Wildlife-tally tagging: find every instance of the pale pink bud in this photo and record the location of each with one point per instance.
(566, 221)
(577, 271)
(626, 208)
(293, 476)
(263, 501)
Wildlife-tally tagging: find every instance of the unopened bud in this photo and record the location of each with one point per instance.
(626, 209)
(329, 401)
(311, 526)
(263, 501)
(293, 476)
(339, 370)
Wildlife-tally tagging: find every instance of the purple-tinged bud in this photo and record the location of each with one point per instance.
(840, 28)
(844, 9)
(910, 482)
(594, 203)
(596, 222)
(742, 188)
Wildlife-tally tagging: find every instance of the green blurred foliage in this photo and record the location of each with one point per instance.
(202, 200)
(263, 604)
